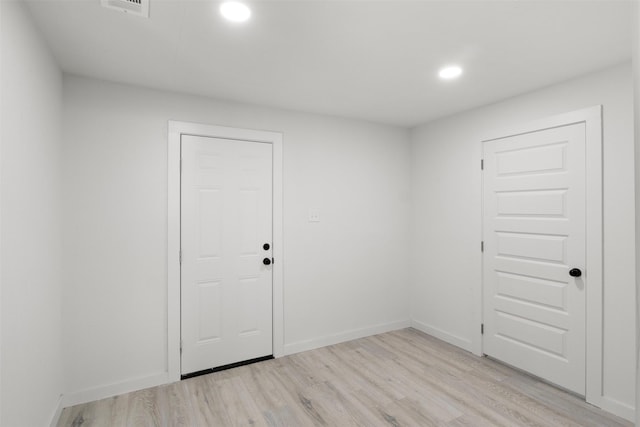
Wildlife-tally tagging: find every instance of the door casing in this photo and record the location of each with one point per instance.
(175, 130)
(592, 117)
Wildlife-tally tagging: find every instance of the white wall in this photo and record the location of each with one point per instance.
(30, 224)
(343, 277)
(1, 135)
(446, 220)
(114, 324)
(636, 115)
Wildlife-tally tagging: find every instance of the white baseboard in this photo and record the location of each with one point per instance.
(463, 343)
(608, 404)
(605, 403)
(352, 334)
(615, 407)
(58, 411)
(97, 393)
(103, 392)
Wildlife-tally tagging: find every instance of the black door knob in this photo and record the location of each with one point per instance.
(266, 261)
(266, 246)
(575, 272)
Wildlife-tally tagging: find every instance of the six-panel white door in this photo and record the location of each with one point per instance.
(534, 234)
(226, 220)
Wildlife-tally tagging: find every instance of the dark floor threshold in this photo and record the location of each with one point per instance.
(225, 367)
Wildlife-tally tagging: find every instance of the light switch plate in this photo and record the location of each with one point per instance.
(314, 215)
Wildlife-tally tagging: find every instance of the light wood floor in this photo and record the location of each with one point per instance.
(402, 378)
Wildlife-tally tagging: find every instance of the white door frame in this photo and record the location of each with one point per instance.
(592, 118)
(176, 129)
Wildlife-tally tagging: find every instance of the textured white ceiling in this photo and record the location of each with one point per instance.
(374, 60)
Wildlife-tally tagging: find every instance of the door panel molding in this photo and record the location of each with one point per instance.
(592, 118)
(175, 130)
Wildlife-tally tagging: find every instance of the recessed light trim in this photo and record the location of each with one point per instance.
(450, 72)
(235, 11)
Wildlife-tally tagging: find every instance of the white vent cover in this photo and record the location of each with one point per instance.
(132, 7)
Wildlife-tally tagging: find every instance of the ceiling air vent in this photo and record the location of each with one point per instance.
(132, 7)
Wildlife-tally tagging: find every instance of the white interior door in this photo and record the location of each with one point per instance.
(226, 235)
(534, 236)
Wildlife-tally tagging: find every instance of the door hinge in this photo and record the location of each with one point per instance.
(482, 246)
(180, 256)
(180, 346)
(481, 164)
(482, 329)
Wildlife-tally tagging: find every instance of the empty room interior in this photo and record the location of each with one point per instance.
(318, 213)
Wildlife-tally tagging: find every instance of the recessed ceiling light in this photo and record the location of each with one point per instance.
(450, 72)
(235, 11)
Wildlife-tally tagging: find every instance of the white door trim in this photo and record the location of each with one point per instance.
(592, 117)
(176, 129)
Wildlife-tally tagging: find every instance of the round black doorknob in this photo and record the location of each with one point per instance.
(266, 261)
(266, 246)
(575, 272)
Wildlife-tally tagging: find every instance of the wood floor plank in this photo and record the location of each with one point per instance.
(400, 378)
